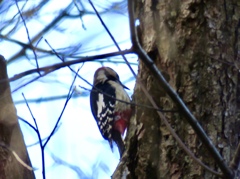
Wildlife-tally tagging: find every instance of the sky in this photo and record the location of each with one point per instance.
(77, 149)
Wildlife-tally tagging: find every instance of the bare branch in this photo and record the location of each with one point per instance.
(57, 66)
(70, 93)
(48, 69)
(80, 173)
(80, 14)
(42, 32)
(113, 39)
(39, 138)
(30, 42)
(30, 125)
(52, 98)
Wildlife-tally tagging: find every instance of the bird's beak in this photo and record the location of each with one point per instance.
(124, 86)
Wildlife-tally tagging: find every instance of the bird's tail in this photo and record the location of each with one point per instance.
(117, 137)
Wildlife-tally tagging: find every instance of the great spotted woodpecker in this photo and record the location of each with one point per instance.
(110, 106)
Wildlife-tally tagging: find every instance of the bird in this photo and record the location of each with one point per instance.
(110, 106)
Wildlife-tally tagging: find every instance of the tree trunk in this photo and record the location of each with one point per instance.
(195, 45)
(11, 138)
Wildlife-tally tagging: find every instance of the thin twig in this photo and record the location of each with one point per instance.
(57, 66)
(39, 138)
(48, 69)
(74, 168)
(27, 83)
(42, 32)
(30, 125)
(111, 36)
(80, 14)
(174, 96)
(29, 39)
(70, 93)
(131, 103)
(52, 98)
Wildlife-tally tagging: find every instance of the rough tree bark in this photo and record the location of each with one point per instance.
(195, 45)
(11, 138)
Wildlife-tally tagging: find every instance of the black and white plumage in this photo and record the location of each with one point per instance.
(112, 116)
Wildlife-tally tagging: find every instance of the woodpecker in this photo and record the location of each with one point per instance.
(110, 105)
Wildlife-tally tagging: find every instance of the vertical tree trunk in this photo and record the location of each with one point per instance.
(195, 45)
(11, 138)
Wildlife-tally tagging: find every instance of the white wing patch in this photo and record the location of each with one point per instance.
(120, 94)
(100, 105)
